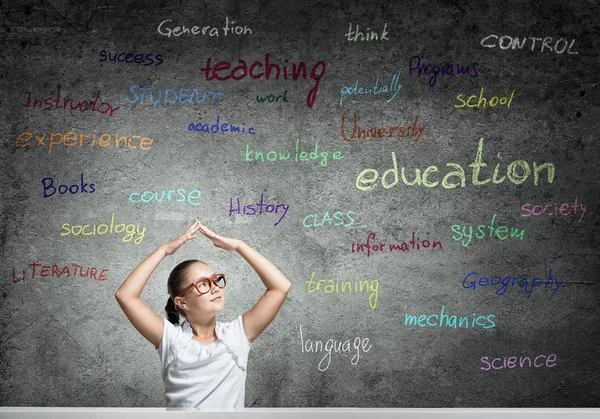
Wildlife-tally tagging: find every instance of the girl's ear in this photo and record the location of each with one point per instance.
(179, 302)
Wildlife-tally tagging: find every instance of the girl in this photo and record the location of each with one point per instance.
(203, 360)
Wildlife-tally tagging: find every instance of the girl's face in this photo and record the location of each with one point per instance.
(210, 303)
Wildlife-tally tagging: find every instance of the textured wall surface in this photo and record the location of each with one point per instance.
(490, 107)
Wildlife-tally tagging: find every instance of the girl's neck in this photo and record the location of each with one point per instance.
(203, 328)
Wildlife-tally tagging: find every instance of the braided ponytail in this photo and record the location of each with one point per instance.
(172, 311)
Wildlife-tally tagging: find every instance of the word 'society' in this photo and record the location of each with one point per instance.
(553, 210)
(517, 172)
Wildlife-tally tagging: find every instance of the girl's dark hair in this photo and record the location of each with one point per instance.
(175, 285)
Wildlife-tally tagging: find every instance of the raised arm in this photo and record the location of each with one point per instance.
(149, 324)
(264, 311)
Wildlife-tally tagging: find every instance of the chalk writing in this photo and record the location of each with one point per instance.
(185, 95)
(336, 286)
(375, 90)
(50, 189)
(58, 271)
(368, 35)
(494, 101)
(433, 70)
(423, 320)
(131, 230)
(501, 232)
(131, 57)
(165, 29)
(73, 139)
(273, 156)
(241, 71)
(415, 244)
(52, 103)
(381, 132)
(149, 196)
(250, 210)
(553, 210)
(502, 284)
(221, 128)
(326, 219)
(272, 98)
(506, 42)
(365, 183)
(510, 362)
(332, 345)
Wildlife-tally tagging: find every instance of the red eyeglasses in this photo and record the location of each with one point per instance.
(203, 284)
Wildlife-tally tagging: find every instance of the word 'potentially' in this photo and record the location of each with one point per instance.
(333, 345)
(502, 284)
(81, 187)
(241, 71)
(250, 211)
(451, 321)
(375, 90)
(100, 229)
(73, 139)
(336, 286)
(517, 172)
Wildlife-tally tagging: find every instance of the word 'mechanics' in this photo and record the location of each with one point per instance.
(100, 229)
(433, 70)
(510, 362)
(502, 284)
(336, 286)
(52, 103)
(394, 86)
(131, 57)
(326, 219)
(506, 42)
(333, 345)
(58, 271)
(273, 156)
(217, 127)
(73, 139)
(149, 196)
(368, 35)
(165, 29)
(185, 95)
(415, 244)
(242, 70)
(494, 100)
(502, 232)
(564, 209)
(250, 210)
(450, 321)
(517, 172)
(50, 189)
(382, 132)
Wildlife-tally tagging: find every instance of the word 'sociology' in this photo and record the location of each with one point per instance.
(382, 132)
(242, 70)
(100, 229)
(415, 244)
(58, 271)
(502, 232)
(165, 29)
(502, 284)
(149, 196)
(450, 321)
(375, 90)
(81, 187)
(365, 183)
(273, 156)
(217, 127)
(52, 103)
(433, 70)
(73, 139)
(506, 42)
(250, 210)
(185, 95)
(332, 345)
(336, 286)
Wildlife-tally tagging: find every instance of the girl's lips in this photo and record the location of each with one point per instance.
(217, 298)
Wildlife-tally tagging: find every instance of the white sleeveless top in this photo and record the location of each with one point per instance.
(199, 376)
